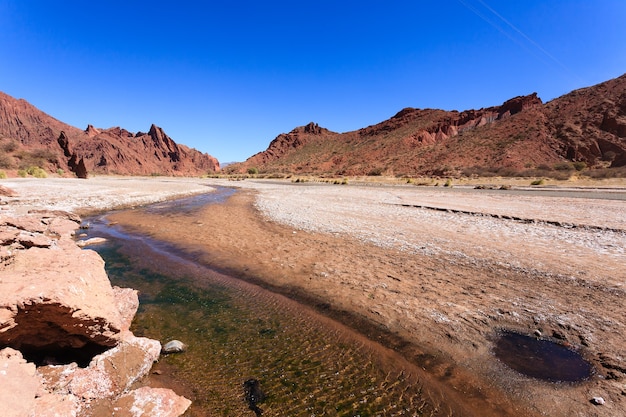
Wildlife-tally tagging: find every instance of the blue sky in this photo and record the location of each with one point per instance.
(228, 77)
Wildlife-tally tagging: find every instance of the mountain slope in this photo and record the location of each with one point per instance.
(30, 137)
(586, 126)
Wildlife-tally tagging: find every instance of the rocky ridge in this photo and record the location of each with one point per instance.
(65, 344)
(586, 126)
(30, 137)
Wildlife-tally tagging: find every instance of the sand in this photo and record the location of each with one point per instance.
(431, 272)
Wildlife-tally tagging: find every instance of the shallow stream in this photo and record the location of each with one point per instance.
(307, 364)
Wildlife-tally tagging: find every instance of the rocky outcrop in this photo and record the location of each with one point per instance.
(587, 125)
(286, 143)
(27, 131)
(65, 343)
(76, 165)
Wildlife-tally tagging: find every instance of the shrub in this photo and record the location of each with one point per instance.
(563, 166)
(6, 161)
(448, 183)
(538, 182)
(9, 147)
(22, 173)
(376, 172)
(60, 172)
(579, 166)
(36, 172)
(253, 171)
(3, 175)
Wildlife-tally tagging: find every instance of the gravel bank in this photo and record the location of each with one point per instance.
(95, 194)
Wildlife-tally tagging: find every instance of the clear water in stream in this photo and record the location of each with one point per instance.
(307, 364)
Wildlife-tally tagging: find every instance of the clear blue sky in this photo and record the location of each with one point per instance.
(228, 77)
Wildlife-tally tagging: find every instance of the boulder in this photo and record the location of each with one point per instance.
(146, 401)
(68, 350)
(19, 384)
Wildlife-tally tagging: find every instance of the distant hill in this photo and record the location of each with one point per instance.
(30, 137)
(585, 128)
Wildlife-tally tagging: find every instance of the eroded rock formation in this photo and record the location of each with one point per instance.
(65, 344)
(76, 165)
(586, 126)
(27, 131)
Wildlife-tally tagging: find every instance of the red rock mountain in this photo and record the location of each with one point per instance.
(30, 137)
(587, 126)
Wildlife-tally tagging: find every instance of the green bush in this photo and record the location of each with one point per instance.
(36, 172)
(538, 182)
(579, 166)
(563, 166)
(3, 175)
(253, 171)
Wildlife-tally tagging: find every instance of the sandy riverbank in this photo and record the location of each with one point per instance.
(444, 281)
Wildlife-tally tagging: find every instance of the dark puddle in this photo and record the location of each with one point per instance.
(541, 359)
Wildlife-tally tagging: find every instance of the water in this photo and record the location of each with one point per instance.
(307, 365)
(541, 359)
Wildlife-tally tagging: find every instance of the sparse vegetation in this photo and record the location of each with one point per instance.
(37, 158)
(22, 173)
(36, 172)
(538, 182)
(6, 161)
(9, 147)
(563, 166)
(253, 171)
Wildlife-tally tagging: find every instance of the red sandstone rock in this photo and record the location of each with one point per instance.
(155, 402)
(19, 384)
(7, 192)
(100, 151)
(587, 125)
(111, 373)
(58, 299)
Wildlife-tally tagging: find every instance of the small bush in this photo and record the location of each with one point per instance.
(448, 183)
(9, 147)
(6, 161)
(563, 166)
(579, 166)
(60, 172)
(538, 182)
(253, 171)
(22, 173)
(36, 172)
(376, 172)
(3, 175)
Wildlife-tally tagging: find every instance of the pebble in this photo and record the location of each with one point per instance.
(598, 400)
(174, 346)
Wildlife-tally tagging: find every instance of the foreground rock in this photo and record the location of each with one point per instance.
(65, 344)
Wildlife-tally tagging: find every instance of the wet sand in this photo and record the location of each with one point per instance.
(440, 288)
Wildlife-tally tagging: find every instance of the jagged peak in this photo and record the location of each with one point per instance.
(311, 128)
(91, 131)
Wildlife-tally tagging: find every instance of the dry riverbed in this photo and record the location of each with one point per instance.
(436, 273)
